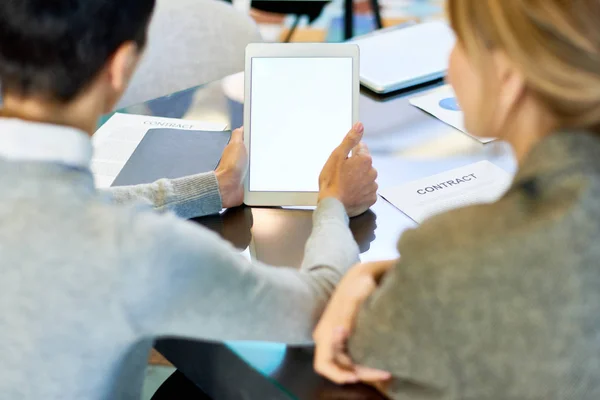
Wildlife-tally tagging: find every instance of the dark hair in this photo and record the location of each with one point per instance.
(55, 48)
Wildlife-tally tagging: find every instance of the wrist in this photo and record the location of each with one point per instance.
(325, 194)
(228, 188)
(377, 269)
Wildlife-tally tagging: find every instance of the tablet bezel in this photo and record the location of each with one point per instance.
(292, 50)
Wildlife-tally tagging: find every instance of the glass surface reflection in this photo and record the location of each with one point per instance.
(363, 228)
(233, 225)
(266, 358)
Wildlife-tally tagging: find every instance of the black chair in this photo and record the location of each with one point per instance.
(312, 9)
(349, 17)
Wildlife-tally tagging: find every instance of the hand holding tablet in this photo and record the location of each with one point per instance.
(296, 149)
(351, 180)
(231, 170)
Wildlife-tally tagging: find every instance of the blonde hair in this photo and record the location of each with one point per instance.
(555, 44)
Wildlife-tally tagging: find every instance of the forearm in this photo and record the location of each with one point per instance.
(377, 269)
(228, 297)
(331, 242)
(189, 197)
(220, 295)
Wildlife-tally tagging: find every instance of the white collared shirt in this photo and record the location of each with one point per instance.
(188, 197)
(33, 141)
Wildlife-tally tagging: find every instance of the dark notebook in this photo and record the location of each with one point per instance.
(173, 153)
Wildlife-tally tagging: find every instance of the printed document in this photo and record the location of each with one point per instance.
(443, 105)
(118, 138)
(478, 183)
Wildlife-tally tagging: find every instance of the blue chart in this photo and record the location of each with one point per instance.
(450, 104)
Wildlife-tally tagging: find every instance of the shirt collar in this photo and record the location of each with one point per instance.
(32, 141)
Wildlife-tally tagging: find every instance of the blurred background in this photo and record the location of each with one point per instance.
(323, 21)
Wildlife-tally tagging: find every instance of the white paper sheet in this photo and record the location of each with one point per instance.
(118, 138)
(482, 182)
(442, 104)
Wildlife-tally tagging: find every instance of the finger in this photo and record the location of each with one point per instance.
(373, 199)
(371, 189)
(361, 149)
(326, 360)
(340, 355)
(351, 140)
(325, 366)
(237, 136)
(365, 159)
(366, 374)
(337, 374)
(343, 360)
(373, 174)
(367, 200)
(362, 163)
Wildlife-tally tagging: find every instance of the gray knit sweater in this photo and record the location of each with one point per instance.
(499, 301)
(87, 284)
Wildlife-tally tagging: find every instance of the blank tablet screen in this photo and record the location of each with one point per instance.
(301, 109)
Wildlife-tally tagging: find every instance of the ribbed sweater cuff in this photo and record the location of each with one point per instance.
(330, 208)
(197, 195)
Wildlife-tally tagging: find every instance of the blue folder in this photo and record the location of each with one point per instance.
(173, 153)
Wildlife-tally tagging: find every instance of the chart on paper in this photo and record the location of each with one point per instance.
(442, 104)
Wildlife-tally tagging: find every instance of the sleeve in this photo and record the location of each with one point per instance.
(398, 329)
(188, 197)
(192, 283)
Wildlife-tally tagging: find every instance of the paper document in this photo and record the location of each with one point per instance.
(118, 138)
(482, 182)
(442, 104)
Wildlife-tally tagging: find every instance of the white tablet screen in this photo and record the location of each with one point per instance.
(301, 109)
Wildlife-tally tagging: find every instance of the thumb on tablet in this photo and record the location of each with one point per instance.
(352, 139)
(237, 136)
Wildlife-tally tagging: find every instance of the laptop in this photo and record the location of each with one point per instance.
(405, 56)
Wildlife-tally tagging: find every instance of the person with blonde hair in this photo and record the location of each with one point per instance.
(497, 301)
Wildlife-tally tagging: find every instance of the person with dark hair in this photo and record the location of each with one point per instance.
(88, 283)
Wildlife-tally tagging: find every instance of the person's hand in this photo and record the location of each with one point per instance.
(351, 180)
(232, 170)
(331, 335)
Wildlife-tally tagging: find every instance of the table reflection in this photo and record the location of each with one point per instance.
(363, 228)
(233, 225)
(279, 235)
(259, 228)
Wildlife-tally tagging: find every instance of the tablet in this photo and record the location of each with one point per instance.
(401, 57)
(300, 102)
